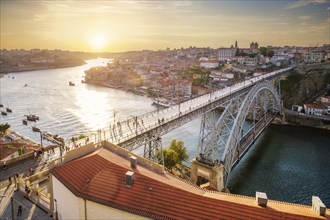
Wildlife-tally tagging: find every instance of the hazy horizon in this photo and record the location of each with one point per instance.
(119, 26)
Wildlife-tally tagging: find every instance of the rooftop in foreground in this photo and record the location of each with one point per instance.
(99, 176)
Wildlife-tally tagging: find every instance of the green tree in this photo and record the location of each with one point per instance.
(178, 147)
(270, 53)
(81, 136)
(170, 158)
(263, 51)
(175, 154)
(4, 128)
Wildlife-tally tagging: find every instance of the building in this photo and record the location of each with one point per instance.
(314, 56)
(254, 45)
(225, 54)
(280, 59)
(325, 99)
(315, 109)
(104, 181)
(209, 64)
(297, 108)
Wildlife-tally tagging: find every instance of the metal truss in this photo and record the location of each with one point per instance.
(154, 150)
(220, 141)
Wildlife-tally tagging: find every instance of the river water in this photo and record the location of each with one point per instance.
(288, 163)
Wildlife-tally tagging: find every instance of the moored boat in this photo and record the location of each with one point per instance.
(58, 138)
(32, 117)
(162, 102)
(71, 84)
(1, 105)
(35, 129)
(3, 113)
(25, 122)
(9, 110)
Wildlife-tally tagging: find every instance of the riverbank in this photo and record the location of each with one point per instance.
(300, 119)
(35, 68)
(120, 87)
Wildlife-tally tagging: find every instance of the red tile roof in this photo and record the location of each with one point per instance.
(100, 177)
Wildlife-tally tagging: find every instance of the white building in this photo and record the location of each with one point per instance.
(315, 109)
(314, 56)
(278, 58)
(209, 64)
(225, 54)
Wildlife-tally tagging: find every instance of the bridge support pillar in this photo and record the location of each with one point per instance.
(214, 173)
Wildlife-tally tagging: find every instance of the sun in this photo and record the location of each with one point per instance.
(98, 42)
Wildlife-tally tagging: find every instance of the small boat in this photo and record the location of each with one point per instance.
(32, 117)
(1, 105)
(162, 102)
(58, 138)
(9, 110)
(3, 113)
(35, 129)
(25, 122)
(71, 84)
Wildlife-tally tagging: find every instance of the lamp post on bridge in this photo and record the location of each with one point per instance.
(135, 121)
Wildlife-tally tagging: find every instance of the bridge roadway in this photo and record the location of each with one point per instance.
(251, 135)
(139, 130)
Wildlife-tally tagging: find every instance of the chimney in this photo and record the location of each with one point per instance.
(129, 179)
(318, 206)
(133, 162)
(261, 199)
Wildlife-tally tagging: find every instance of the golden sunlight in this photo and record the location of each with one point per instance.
(98, 41)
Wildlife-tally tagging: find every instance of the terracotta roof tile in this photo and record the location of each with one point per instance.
(100, 177)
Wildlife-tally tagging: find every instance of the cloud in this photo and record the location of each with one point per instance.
(304, 18)
(303, 3)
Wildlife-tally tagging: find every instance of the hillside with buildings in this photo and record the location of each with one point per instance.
(180, 74)
(304, 86)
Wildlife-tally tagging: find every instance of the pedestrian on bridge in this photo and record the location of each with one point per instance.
(19, 211)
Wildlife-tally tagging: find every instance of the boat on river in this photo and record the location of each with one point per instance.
(35, 129)
(162, 102)
(71, 84)
(32, 117)
(1, 105)
(3, 113)
(25, 122)
(8, 110)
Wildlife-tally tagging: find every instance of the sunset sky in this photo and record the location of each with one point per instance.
(137, 25)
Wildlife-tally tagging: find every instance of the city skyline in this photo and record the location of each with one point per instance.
(115, 26)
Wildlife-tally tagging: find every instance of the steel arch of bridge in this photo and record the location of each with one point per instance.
(219, 140)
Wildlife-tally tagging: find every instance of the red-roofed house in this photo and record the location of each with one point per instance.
(104, 182)
(315, 109)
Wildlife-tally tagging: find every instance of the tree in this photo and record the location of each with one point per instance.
(175, 154)
(178, 147)
(4, 128)
(270, 53)
(263, 51)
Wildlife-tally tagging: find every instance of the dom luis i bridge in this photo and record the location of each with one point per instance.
(222, 141)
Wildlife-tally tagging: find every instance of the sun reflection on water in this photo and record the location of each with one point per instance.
(94, 108)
